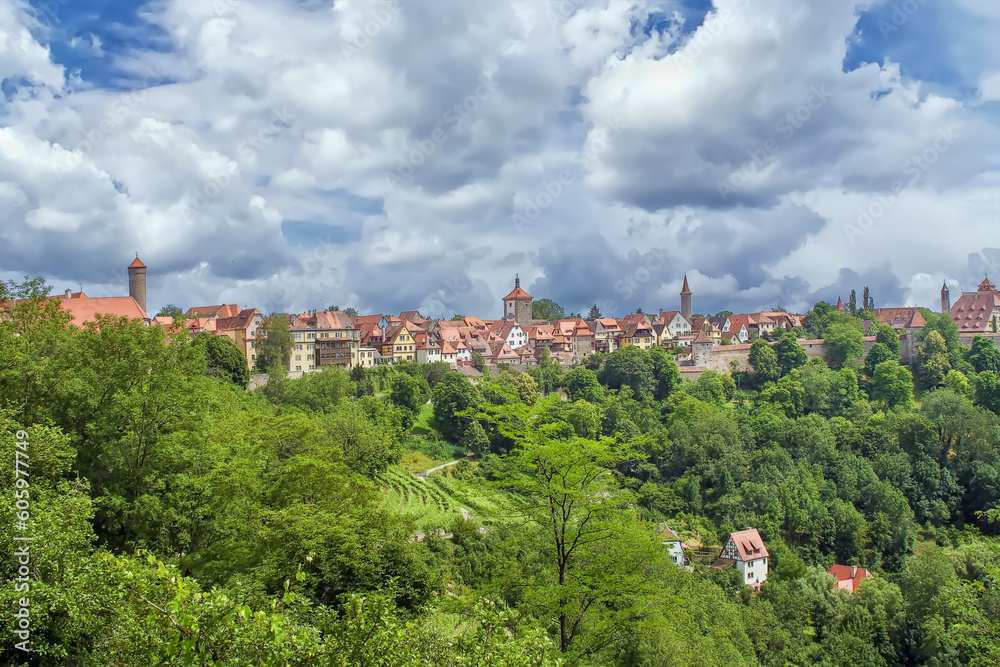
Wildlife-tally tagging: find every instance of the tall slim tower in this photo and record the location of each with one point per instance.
(945, 299)
(137, 282)
(686, 299)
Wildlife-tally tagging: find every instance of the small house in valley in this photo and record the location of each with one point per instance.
(745, 551)
(673, 543)
(849, 577)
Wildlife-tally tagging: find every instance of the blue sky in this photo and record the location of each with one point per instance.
(270, 152)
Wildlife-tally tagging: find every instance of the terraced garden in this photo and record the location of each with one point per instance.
(436, 500)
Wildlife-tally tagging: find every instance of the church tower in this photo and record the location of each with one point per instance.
(686, 299)
(945, 298)
(517, 305)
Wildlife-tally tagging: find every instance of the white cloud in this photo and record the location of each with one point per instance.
(263, 116)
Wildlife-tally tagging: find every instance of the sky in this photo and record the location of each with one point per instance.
(419, 154)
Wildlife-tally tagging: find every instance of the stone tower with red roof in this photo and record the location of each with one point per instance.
(137, 282)
(517, 305)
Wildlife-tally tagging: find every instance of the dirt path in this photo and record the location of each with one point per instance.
(444, 465)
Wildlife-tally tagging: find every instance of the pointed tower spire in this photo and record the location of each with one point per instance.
(686, 299)
(945, 298)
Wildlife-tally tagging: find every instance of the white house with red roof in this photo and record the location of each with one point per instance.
(746, 551)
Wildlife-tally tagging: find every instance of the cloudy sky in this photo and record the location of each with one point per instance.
(397, 154)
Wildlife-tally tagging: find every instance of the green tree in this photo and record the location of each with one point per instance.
(452, 395)
(170, 310)
(844, 343)
(887, 336)
(791, 355)
(628, 366)
(987, 391)
(892, 384)
(959, 383)
(984, 355)
(409, 393)
(225, 359)
(666, 373)
(546, 309)
(351, 312)
(764, 361)
(588, 576)
(479, 362)
(582, 383)
(880, 352)
(932, 361)
(594, 314)
(274, 350)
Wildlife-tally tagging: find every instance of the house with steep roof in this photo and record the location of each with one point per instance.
(849, 577)
(745, 550)
(242, 330)
(606, 332)
(979, 311)
(428, 349)
(674, 544)
(905, 320)
(637, 334)
(677, 324)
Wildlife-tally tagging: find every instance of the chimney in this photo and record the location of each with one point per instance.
(854, 571)
(69, 294)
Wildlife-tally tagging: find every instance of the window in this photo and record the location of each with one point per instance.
(253, 357)
(308, 357)
(337, 335)
(298, 357)
(298, 336)
(298, 368)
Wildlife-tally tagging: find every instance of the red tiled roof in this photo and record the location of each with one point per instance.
(685, 289)
(87, 310)
(848, 577)
(517, 293)
(225, 310)
(748, 542)
(136, 264)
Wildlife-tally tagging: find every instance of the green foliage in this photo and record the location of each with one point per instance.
(628, 367)
(594, 313)
(984, 355)
(892, 385)
(791, 355)
(582, 384)
(170, 310)
(880, 352)
(225, 359)
(452, 395)
(274, 349)
(932, 361)
(764, 361)
(181, 520)
(546, 309)
(844, 342)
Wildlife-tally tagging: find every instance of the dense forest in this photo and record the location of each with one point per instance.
(180, 519)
